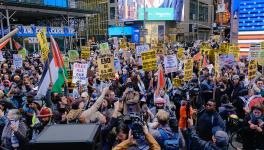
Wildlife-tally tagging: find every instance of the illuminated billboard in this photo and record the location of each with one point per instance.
(132, 10)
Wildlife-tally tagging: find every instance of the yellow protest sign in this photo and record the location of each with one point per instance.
(132, 46)
(188, 69)
(216, 64)
(177, 82)
(260, 57)
(235, 51)
(159, 49)
(122, 43)
(43, 44)
(224, 48)
(180, 53)
(106, 67)
(85, 52)
(252, 69)
(149, 60)
(262, 45)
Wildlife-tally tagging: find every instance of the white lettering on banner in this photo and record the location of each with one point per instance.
(170, 63)
(33, 40)
(79, 73)
(141, 48)
(18, 61)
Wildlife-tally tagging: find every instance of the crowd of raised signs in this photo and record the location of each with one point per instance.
(176, 98)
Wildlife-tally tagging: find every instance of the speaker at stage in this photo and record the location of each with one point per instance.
(68, 137)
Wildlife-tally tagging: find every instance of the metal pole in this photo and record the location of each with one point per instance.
(144, 22)
(34, 48)
(8, 26)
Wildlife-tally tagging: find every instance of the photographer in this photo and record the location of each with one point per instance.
(131, 143)
(131, 100)
(165, 133)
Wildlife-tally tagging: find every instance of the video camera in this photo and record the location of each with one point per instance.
(135, 122)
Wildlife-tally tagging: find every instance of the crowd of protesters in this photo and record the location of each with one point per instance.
(130, 110)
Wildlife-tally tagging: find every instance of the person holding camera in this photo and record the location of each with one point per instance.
(167, 135)
(132, 143)
(131, 101)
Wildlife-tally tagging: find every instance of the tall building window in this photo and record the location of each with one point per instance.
(201, 8)
(112, 12)
(193, 9)
(112, 1)
(203, 12)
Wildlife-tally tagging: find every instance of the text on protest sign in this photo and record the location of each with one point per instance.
(235, 51)
(122, 42)
(216, 64)
(141, 48)
(85, 52)
(149, 60)
(106, 67)
(252, 69)
(43, 44)
(180, 53)
(177, 82)
(226, 60)
(170, 63)
(66, 61)
(73, 55)
(79, 73)
(18, 61)
(104, 49)
(188, 69)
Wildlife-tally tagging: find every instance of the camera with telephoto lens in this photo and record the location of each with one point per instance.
(135, 122)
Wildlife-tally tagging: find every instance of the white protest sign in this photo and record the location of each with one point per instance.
(18, 61)
(117, 64)
(170, 63)
(1, 56)
(79, 73)
(141, 48)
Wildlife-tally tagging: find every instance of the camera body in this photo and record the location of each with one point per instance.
(135, 122)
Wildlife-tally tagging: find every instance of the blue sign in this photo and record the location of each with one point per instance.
(136, 36)
(120, 31)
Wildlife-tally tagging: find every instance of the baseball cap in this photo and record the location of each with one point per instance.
(221, 138)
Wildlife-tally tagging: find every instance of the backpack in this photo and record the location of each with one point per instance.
(171, 143)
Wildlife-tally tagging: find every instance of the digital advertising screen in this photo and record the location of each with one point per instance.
(133, 10)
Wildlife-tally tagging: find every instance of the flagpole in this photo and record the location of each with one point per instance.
(49, 70)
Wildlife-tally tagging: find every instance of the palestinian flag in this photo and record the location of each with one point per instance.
(57, 69)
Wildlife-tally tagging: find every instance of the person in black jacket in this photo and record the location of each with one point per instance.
(219, 139)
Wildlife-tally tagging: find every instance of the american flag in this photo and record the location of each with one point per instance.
(251, 23)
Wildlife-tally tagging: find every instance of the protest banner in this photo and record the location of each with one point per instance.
(149, 60)
(23, 53)
(188, 69)
(17, 61)
(159, 49)
(79, 73)
(43, 44)
(254, 54)
(106, 67)
(66, 62)
(235, 51)
(73, 55)
(252, 69)
(104, 49)
(224, 48)
(180, 53)
(216, 65)
(177, 82)
(141, 48)
(117, 64)
(85, 52)
(262, 45)
(170, 63)
(226, 60)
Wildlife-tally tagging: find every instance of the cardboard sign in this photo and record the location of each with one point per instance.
(159, 49)
(106, 67)
(70, 84)
(116, 45)
(43, 44)
(224, 48)
(262, 45)
(226, 60)
(73, 55)
(23, 53)
(188, 69)
(104, 49)
(132, 46)
(149, 60)
(141, 48)
(216, 64)
(252, 69)
(79, 73)
(18, 61)
(235, 51)
(170, 63)
(85, 52)
(66, 62)
(177, 82)
(180, 53)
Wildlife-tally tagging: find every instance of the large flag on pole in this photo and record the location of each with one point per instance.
(2, 45)
(17, 45)
(58, 71)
